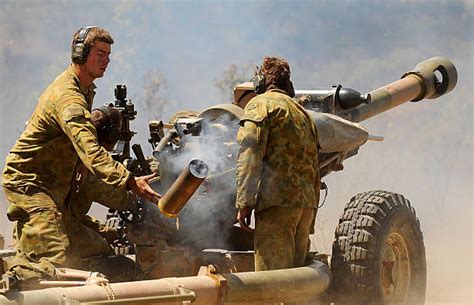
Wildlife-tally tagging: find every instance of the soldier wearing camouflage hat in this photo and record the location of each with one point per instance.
(42, 163)
(90, 239)
(277, 170)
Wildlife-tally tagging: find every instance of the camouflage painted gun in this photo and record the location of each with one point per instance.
(378, 254)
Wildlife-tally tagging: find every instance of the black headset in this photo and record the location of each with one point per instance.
(80, 49)
(110, 132)
(259, 82)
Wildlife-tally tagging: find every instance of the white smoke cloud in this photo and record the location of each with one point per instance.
(427, 152)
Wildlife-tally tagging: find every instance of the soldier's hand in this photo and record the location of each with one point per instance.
(244, 218)
(140, 187)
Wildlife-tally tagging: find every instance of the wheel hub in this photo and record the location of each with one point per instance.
(395, 270)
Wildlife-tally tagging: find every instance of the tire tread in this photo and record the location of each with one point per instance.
(354, 247)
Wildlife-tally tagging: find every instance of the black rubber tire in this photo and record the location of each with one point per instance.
(367, 228)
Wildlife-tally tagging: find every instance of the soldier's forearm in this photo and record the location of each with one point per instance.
(249, 169)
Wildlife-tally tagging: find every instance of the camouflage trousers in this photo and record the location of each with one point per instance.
(46, 238)
(281, 238)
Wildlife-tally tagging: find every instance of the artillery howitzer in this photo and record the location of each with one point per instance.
(378, 253)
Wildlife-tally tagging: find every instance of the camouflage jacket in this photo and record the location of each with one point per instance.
(57, 137)
(278, 160)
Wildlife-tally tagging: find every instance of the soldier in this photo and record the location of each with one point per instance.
(277, 170)
(42, 163)
(88, 188)
(90, 239)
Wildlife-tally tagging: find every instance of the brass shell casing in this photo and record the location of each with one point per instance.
(183, 188)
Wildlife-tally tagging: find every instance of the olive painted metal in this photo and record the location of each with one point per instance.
(250, 287)
(430, 79)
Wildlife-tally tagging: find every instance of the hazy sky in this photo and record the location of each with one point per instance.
(427, 152)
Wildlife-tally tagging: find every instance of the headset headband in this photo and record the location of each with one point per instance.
(83, 33)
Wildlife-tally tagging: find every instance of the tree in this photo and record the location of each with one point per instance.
(232, 76)
(153, 84)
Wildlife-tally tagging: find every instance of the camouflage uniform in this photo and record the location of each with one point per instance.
(41, 166)
(278, 175)
(89, 238)
(89, 233)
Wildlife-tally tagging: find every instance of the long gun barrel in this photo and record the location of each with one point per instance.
(430, 79)
(169, 136)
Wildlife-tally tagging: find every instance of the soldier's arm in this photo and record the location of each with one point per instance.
(252, 137)
(75, 121)
(109, 196)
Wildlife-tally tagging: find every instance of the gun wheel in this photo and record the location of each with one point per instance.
(378, 252)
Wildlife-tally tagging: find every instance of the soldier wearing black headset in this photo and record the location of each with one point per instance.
(277, 170)
(90, 239)
(44, 160)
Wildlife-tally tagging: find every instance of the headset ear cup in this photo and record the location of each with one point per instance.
(78, 53)
(85, 52)
(259, 83)
(109, 134)
(80, 49)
